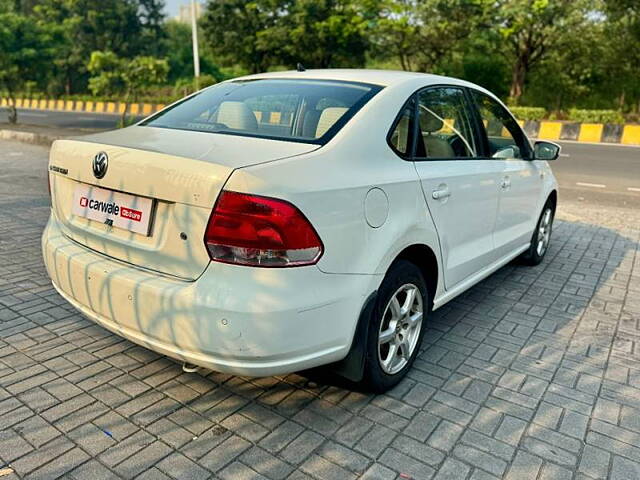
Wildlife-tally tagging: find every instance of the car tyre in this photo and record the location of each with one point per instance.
(541, 237)
(397, 326)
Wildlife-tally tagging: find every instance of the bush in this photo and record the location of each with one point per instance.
(595, 116)
(186, 86)
(528, 113)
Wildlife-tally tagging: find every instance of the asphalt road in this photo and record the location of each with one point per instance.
(599, 174)
(596, 174)
(77, 120)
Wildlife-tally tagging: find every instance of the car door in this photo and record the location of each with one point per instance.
(460, 187)
(520, 180)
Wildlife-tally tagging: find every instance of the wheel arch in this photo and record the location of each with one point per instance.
(423, 257)
(553, 199)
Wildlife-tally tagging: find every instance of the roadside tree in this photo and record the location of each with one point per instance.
(420, 35)
(126, 78)
(323, 33)
(234, 31)
(25, 52)
(532, 29)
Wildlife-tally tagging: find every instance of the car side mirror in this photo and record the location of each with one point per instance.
(507, 152)
(546, 151)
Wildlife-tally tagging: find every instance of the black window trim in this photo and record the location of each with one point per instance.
(528, 155)
(409, 155)
(477, 133)
(323, 140)
(474, 132)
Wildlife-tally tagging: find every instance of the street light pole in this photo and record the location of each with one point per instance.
(194, 36)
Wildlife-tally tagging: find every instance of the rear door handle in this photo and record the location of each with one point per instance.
(441, 193)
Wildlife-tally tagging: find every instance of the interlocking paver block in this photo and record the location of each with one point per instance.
(594, 462)
(406, 466)
(533, 373)
(624, 469)
(479, 459)
(343, 456)
(524, 465)
(224, 453)
(266, 464)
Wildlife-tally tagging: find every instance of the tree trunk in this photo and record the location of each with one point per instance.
(621, 100)
(402, 64)
(13, 113)
(123, 118)
(517, 81)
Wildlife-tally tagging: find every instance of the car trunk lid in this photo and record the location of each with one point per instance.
(175, 175)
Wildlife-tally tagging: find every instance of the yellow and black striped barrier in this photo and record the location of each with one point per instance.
(628, 134)
(87, 106)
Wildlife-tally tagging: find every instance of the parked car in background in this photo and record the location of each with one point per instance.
(289, 220)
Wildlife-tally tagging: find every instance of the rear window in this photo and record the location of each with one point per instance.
(310, 111)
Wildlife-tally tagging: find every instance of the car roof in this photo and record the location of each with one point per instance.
(377, 77)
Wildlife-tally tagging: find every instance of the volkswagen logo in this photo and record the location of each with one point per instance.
(100, 164)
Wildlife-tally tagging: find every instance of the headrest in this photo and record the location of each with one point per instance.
(429, 122)
(237, 115)
(328, 118)
(310, 123)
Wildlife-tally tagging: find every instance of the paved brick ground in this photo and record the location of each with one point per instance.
(534, 373)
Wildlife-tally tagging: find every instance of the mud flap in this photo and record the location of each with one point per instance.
(352, 366)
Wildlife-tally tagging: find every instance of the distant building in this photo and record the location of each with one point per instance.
(185, 12)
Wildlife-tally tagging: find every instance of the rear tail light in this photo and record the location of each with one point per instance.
(260, 231)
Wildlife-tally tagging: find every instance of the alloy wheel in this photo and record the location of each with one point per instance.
(400, 328)
(544, 233)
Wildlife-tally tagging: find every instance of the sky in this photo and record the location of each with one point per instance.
(173, 6)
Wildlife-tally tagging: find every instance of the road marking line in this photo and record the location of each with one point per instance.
(633, 189)
(565, 155)
(593, 185)
(15, 154)
(32, 114)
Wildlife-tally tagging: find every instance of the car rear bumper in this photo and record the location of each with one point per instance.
(233, 319)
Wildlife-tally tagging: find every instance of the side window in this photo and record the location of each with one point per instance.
(444, 124)
(503, 133)
(402, 134)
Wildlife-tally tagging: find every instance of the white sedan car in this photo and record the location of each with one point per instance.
(284, 221)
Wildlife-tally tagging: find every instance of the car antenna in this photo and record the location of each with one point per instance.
(300, 67)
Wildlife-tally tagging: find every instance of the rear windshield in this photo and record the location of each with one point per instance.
(310, 111)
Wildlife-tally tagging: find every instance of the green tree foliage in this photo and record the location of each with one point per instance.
(126, 78)
(125, 27)
(531, 29)
(568, 75)
(622, 61)
(234, 30)
(260, 34)
(151, 16)
(25, 50)
(179, 53)
(420, 34)
(555, 54)
(322, 33)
